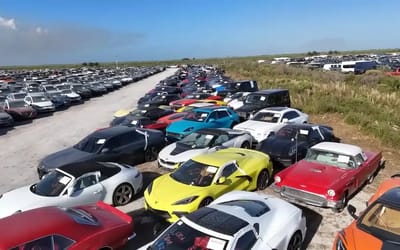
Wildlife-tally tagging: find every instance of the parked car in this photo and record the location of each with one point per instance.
(19, 110)
(168, 119)
(329, 175)
(82, 90)
(60, 101)
(201, 142)
(234, 87)
(235, 101)
(153, 113)
(378, 227)
(159, 100)
(96, 226)
(118, 144)
(207, 117)
(269, 120)
(143, 122)
(291, 143)
(6, 119)
(76, 184)
(237, 220)
(202, 179)
(40, 102)
(16, 96)
(71, 95)
(263, 99)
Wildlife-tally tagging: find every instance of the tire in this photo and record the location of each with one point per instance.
(263, 180)
(344, 204)
(371, 178)
(296, 242)
(123, 194)
(150, 154)
(246, 145)
(205, 202)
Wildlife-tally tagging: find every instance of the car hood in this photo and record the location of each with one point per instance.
(22, 199)
(311, 176)
(181, 125)
(65, 156)
(166, 190)
(178, 152)
(278, 146)
(43, 104)
(252, 125)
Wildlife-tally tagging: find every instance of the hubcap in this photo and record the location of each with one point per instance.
(123, 195)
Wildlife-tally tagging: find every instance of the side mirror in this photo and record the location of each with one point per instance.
(105, 150)
(271, 133)
(352, 211)
(70, 191)
(221, 180)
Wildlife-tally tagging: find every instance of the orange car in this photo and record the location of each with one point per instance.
(378, 227)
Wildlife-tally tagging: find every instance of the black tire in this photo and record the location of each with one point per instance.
(246, 144)
(343, 205)
(296, 242)
(263, 180)
(205, 202)
(123, 194)
(150, 154)
(371, 178)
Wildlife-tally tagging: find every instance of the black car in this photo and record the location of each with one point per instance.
(256, 101)
(83, 91)
(6, 119)
(60, 101)
(117, 144)
(153, 113)
(150, 95)
(291, 142)
(230, 88)
(160, 100)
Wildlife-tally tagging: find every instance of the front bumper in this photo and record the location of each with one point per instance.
(309, 198)
(166, 164)
(170, 216)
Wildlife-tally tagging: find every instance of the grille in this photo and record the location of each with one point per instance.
(303, 196)
(157, 212)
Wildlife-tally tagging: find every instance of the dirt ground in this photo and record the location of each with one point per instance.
(22, 147)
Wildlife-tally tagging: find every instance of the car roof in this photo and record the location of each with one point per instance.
(81, 168)
(213, 131)
(112, 131)
(224, 156)
(277, 109)
(210, 108)
(340, 148)
(217, 220)
(392, 196)
(269, 91)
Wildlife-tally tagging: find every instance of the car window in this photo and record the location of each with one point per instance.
(61, 242)
(221, 139)
(213, 115)
(38, 244)
(359, 159)
(246, 241)
(228, 170)
(222, 114)
(291, 115)
(85, 182)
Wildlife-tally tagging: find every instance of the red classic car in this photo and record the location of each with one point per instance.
(94, 226)
(329, 174)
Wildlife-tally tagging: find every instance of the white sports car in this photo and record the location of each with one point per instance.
(270, 120)
(76, 184)
(200, 142)
(237, 220)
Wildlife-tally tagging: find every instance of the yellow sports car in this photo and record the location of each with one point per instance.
(199, 181)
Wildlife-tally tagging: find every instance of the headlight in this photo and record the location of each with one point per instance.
(292, 151)
(186, 200)
(331, 192)
(277, 179)
(150, 187)
(188, 129)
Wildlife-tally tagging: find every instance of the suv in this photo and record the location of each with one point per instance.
(263, 99)
(233, 87)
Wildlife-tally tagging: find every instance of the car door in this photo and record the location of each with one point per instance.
(224, 118)
(221, 141)
(234, 179)
(135, 144)
(364, 169)
(85, 189)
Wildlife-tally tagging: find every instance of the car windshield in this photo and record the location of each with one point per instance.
(255, 99)
(138, 112)
(19, 96)
(49, 88)
(330, 158)
(17, 104)
(182, 237)
(90, 144)
(195, 173)
(39, 99)
(293, 133)
(236, 95)
(52, 184)
(270, 117)
(159, 98)
(198, 140)
(382, 221)
(66, 91)
(198, 116)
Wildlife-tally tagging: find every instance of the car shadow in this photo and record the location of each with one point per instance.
(313, 221)
(23, 122)
(4, 130)
(43, 115)
(148, 177)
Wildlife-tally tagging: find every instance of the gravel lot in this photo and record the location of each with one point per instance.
(22, 147)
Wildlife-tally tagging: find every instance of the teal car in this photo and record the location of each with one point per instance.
(199, 118)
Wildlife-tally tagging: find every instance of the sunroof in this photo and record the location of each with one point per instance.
(252, 207)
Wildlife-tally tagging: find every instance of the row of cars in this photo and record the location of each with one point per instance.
(26, 99)
(198, 196)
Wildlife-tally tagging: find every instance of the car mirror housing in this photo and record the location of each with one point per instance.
(352, 211)
(221, 180)
(105, 150)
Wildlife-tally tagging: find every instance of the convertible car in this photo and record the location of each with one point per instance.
(377, 228)
(237, 220)
(291, 142)
(96, 226)
(330, 173)
(76, 184)
(200, 142)
(199, 181)
(209, 117)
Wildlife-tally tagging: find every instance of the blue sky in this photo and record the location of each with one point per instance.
(61, 31)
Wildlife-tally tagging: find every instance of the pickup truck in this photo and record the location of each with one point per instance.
(394, 73)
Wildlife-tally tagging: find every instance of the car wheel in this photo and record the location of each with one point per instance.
(205, 202)
(263, 180)
(295, 242)
(245, 144)
(123, 194)
(150, 154)
(343, 204)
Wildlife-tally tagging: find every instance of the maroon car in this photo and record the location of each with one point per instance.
(329, 175)
(19, 110)
(94, 226)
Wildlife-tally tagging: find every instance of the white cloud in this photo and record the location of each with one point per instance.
(8, 23)
(41, 30)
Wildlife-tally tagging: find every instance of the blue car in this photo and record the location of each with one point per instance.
(199, 118)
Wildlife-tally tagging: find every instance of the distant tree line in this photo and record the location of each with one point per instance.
(90, 64)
